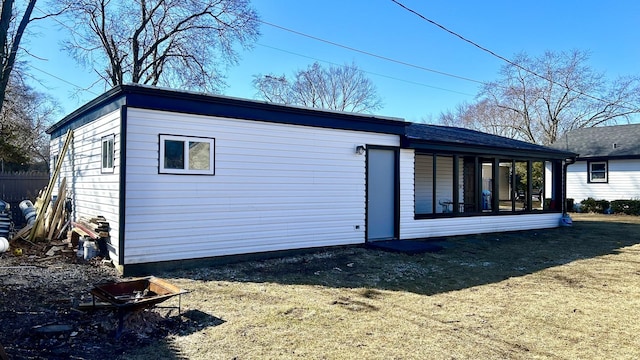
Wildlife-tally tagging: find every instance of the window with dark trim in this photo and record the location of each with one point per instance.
(598, 171)
(468, 185)
(107, 154)
(186, 155)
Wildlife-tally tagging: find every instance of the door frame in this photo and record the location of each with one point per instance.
(396, 192)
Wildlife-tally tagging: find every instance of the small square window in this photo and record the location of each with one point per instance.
(598, 172)
(107, 153)
(186, 155)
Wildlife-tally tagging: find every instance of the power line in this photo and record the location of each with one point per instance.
(502, 57)
(64, 80)
(371, 54)
(365, 71)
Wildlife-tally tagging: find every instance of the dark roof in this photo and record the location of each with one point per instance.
(154, 98)
(417, 136)
(438, 138)
(620, 141)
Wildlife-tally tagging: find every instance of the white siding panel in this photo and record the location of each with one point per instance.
(410, 228)
(275, 187)
(92, 192)
(426, 228)
(623, 184)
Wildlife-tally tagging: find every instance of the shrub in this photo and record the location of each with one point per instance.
(593, 205)
(629, 207)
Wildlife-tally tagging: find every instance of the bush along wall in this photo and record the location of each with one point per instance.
(629, 207)
(594, 206)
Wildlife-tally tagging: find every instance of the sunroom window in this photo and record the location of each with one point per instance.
(467, 185)
(187, 155)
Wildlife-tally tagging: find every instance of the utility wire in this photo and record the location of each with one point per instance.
(365, 71)
(64, 80)
(502, 57)
(317, 39)
(371, 54)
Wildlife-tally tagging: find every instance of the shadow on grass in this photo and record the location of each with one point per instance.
(162, 349)
(189, 322)
(465, 261)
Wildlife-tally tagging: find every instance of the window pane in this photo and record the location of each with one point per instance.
(105, 154)
(199, 155)
(173, 154)
(537, 176)
(110, 153)
(487, 186)
(444, 184)
(469, 185)
(597, 175)
(521, 186)
(507, 189)
(423, 184)
(597, 167)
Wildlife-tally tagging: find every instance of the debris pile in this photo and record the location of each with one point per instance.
(41, 316)
(94, 234)
(47, 218)
(51, 214)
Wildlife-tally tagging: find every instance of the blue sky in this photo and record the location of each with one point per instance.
(609, 30)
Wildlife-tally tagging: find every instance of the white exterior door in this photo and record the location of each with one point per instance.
(381, 194)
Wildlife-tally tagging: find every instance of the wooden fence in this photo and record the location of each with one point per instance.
(15, 187)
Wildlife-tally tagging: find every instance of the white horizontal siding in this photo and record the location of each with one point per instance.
(410, 228)
(416, 229)
(623, 184)
(92, 192)
(275, 187)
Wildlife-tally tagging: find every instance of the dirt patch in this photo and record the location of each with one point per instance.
(556, 293)
(40, 297)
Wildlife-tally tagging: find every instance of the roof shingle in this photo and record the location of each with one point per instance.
(467, 137)
(603, 141)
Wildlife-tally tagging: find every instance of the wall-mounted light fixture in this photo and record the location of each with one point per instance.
(360, 149)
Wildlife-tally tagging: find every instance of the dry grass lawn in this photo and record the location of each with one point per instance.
(565, 293)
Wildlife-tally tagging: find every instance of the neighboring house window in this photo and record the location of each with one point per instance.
(598, 171)
(186, 155)
(107, 153)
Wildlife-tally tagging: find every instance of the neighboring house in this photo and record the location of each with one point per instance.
(182, 176)
(608, 162)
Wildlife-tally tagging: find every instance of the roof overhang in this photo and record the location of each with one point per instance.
(153, 98)
(480, 150)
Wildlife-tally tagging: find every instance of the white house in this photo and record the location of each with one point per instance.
(608, 162)
(182, 177)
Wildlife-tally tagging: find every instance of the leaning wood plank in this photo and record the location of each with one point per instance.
(44, 228)
(39, 215)
(57, 206)
(22, 233)
(58, 209)
(62, 229)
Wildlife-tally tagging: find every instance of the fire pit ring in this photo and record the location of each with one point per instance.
(136, 294)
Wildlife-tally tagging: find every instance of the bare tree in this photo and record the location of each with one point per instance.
(23, 120)
(175, 43)
(343, 88)
(481, 116)
(11, 32)
(556, 93)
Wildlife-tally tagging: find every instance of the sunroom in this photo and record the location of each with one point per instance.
(461, 172)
